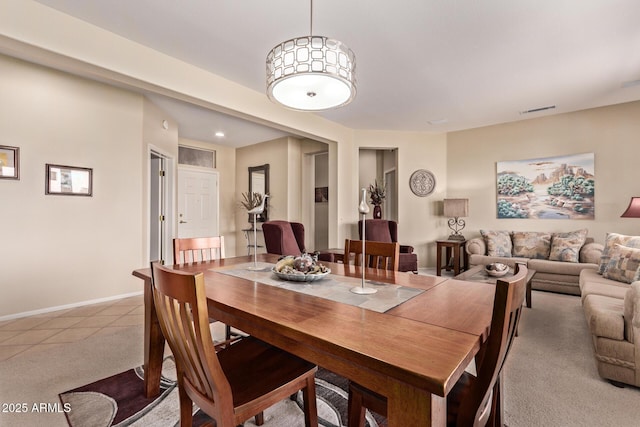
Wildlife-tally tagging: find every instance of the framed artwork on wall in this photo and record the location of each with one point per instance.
(68, 180)
(9, 162)
(560, 187)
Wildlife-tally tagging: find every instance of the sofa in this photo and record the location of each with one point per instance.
(557, 258)
(610, 298)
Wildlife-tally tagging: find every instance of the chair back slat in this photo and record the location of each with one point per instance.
(182, 312)
(198, 249)
(476, 406)
(378, 255)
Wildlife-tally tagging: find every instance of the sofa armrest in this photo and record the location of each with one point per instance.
(476, 246)
(605, 316)
(591, 253)
(406, 249)
(632, 312)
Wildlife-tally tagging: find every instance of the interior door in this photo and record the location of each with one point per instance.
(197, 203)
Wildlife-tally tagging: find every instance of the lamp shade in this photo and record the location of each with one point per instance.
(311, 73)
(456, 208)
(633, 210)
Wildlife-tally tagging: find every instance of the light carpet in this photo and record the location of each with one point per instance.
(550, 378)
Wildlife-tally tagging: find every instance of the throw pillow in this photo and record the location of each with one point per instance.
(613, 239)
(498, 243)
(566, 246)
(623, 264)
(528, 244)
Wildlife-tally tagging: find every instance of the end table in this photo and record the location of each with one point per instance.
(455, 256)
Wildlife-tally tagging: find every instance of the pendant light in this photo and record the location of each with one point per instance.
(311, 73)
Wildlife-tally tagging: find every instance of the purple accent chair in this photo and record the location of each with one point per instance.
(287, 238)
(383, 230)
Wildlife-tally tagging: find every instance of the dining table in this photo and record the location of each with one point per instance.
(409, 342)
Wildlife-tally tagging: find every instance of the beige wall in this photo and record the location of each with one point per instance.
(611, 133)
(419, 220)
(59, 250)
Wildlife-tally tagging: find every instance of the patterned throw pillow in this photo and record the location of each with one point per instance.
(498, 243)
(613, 239)
(566, 246)
(623, 264)
(527, 244)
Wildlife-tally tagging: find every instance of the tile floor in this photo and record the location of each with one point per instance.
(43, 331)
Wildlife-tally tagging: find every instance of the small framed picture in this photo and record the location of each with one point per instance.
(9, 162)
(69, 180)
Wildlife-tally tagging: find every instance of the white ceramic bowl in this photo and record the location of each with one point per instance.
(499, 269)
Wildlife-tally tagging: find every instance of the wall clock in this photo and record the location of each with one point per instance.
(422, 182)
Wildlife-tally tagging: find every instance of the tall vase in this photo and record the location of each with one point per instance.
(377, 212)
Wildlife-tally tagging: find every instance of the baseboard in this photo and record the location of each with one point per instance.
(67, 306)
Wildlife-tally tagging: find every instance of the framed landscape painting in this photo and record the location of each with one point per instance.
(9, 162)
(547, 188)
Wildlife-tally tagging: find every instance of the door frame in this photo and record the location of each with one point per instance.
(168, 205)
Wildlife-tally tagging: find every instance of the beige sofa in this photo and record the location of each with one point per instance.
(553, 275)
(612, 309)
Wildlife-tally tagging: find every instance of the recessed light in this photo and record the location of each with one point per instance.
(438, 121)
(220, 134)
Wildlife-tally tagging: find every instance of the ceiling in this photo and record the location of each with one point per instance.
(422, 65)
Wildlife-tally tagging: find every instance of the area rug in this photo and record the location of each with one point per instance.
(119, 401)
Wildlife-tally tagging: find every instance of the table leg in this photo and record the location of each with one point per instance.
(528, 294)
(153, 344)
(456, 261)
(409, 406)
(438, 260)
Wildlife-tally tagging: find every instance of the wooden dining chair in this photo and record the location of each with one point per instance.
(383, 256)
(236, 382)
(474, 400)
(198, 249)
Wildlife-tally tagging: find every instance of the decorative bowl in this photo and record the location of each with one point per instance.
(301, 277)
(496, 269)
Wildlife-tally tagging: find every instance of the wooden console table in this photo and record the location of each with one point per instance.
(455, 256)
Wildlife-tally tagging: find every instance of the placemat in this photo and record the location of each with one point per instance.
(332, 287)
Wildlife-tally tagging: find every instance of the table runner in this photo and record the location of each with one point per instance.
(332, 287)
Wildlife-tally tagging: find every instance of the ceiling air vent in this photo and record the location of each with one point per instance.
(537, 110)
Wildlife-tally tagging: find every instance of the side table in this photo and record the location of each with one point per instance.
(455, 256)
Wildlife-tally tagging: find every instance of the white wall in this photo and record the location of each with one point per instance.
(60, 250)
(611, 133)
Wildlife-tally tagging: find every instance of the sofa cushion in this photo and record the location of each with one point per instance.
(566, 246)
(591, 252)
(610, 241)
(498, 242)
(604, 289)
(546, 266)
(605, 316)
(530, 244)
(623, 265)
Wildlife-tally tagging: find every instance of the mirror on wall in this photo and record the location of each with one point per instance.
(259, 183)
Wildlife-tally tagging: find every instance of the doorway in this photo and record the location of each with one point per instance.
(160, 212)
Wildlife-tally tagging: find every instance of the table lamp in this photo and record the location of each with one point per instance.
(455, 209)
(633, 210)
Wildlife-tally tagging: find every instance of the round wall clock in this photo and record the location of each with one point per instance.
(422, 182)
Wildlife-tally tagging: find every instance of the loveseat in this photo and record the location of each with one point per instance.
(557, 258)
(610, 298)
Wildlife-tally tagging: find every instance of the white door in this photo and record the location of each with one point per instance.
(197, 203)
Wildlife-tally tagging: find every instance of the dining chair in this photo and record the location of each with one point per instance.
(380, 255)
(384, 230)
(237, 381)
(474, 400)
(198, 249)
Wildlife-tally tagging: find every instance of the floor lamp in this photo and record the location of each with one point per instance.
(364, 210)
(255, 212)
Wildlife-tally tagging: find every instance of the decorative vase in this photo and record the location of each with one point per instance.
(377, 212)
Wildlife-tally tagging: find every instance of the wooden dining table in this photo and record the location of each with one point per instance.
(412, 353)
